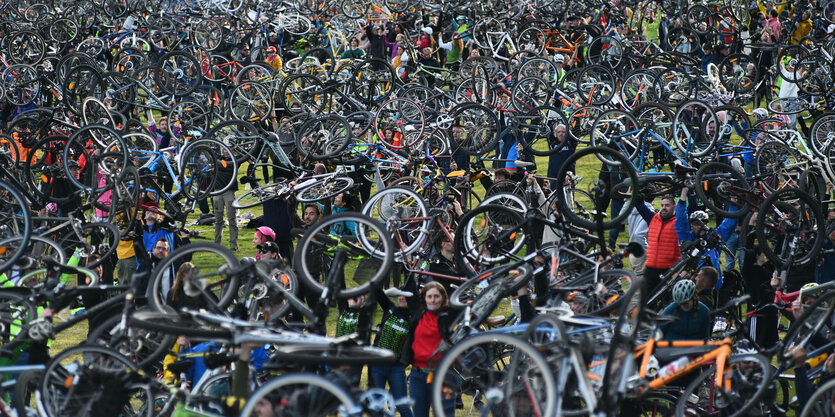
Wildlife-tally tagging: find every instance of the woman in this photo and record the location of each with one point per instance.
(427, 328)
(354, 51)
(179, 297)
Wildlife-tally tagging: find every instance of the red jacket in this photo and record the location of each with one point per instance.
(662, 245)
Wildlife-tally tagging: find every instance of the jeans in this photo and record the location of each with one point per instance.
(419, 391)
(733, 246)
(396, 377)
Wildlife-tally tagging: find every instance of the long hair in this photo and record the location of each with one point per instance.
(182, 275)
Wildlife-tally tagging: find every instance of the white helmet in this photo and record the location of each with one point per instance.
(559, 59)
(760, 113)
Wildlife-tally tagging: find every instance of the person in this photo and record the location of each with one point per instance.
(557, 159)
(153, 229)
(353, 51)
(705, 282)
(804, 28)
(158, 253)
(638, 229)
(394, 329)
(444, 263)
(376, 48)
(181, 295)
(428, 327)
(279, 220)
(312, 214)
(690, 228)
(263, 235)
(693, 316)
(662, 240)
(273, 59)
(341, 203)
(223, 202)
(160, 131)
(454, 48)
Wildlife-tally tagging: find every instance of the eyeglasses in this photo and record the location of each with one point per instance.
(163, 248)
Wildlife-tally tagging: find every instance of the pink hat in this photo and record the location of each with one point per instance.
(267, 231)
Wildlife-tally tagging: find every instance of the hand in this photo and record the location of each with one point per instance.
(799, 355)
(356, 302)
(684, 192)
(830, 364)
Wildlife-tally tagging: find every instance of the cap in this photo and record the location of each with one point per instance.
(151, 206)
(427, 30)
(271, 49)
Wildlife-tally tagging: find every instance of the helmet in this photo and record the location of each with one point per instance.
(559, 59)
(808, 290)
(699, 215)
(760, 113)
(267, 231)
(684, 291)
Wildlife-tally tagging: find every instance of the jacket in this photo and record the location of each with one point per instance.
(662, 240)
(444, 325)
(691, 325)
(724, 230)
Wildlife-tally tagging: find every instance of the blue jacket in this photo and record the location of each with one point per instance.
(691, 325)
(150, 235)
(724, 230)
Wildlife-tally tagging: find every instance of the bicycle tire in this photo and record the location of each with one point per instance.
(810, 229)
(99, 238)
(251, 101)
(373, 80)
(620, 362)
(324, 137)
(479, 129)
(539, 131)
(15, 223)
(807, 326)
(324, 189)
(775, 163)
(742, 393)
(369, 270)
(396, 207)
(714, 185)
(16, 313)
(211, 278)
(44, 169)
(226, 158)
(109, 153)
(617, 129)
(606, 295)
(320, 397)
(178, 73)
(79, 83)
(479, 359)
(544, 331)
(175, 324)
(822, 132)
(488, 234)
(566, 176)
(820, 403)
(96, 393)
(405, 117)
(25, 385)
(241, 136)
(504, 276)
(198, 170)
(143, 347)
(259, 195)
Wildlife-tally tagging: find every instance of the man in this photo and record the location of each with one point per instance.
(662, 240)
(312, 214)
(557, 159)
(706, 280)
(224, 202)
(697, 228)
(159, 251)
(693, 316)
(153, 230)
(445, 263)
(638, 229)
(426, 59)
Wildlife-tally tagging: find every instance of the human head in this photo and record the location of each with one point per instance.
(264, 234)
(457, 131)
(343, 200)
(162, 125)
(560, 132)
(161, 248)
(355, 42)
(312, 214)
(668, 207)
(683, 293)
(427, 31)
(271, 51)
(434, 297)
(698, 222)
(269, 250)
(182, 276)
(427, 52)
(502, 174)
(707, 278)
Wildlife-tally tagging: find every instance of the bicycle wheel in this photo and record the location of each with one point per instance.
(405, 118)
(17, 312)
(509, 280)
(580, 123)
(210, 281)
(303, 93)
(718, 185)
(813, 323)
(178, 73)
(601, 178)
(242, 137)
(404, 213)
(199, 169)
(259, 195)
(658, 119)
(488, 234)
(99, 238)
(618, 130)
(323, 137)
(735, 75)
(820, 403)
(674, 86)
(89, 381)
(26, 47)
(745, 380)
(822, 132)
(92, 150)
(25, 385)
(638, 87)
(538, 130)
(227, 165)
(475, 129)
(602, 294)
(251, 101)
(373, 80)
(776, 163)
(596, 84)
(300, 395)
(790, 227)
(512, 375)
(144, 347)
(695, 129)
(15, 226)
(324, 189)
(79, 83)
(350, 252)
(529, 93)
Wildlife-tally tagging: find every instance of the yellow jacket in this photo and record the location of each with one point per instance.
(804, 28)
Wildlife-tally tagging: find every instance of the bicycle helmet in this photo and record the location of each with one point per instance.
(684, 291)
(699, 215)
(267, 231)
(559, 59)
(760, 113)
(808, 290)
